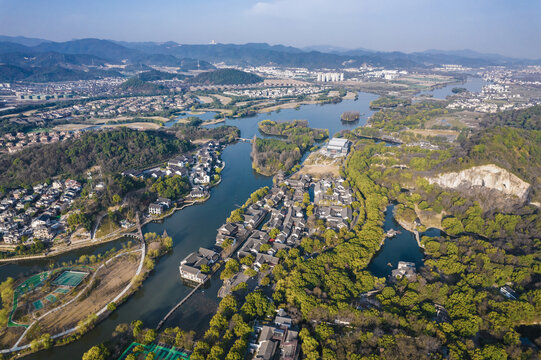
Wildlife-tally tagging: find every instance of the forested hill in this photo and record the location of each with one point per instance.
(529, 118)
(516, 150)
(226, 77)
(135, 85)
(114, 151)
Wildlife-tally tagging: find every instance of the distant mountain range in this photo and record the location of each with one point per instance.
(20, 55)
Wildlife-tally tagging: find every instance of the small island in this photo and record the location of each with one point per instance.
(272, 155)
(350, 116)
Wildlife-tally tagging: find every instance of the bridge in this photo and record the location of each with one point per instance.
(244, 140)
(160, 324)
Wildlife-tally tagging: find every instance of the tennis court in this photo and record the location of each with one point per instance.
(62, 291)
(160, 352)
(38, 305)
(70, 278)
(51, 298)
(32, 282)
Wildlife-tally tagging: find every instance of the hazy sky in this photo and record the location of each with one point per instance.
(509, 27)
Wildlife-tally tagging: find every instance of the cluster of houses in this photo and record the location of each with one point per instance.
(109, 108)
(14, 143)
(331, 199)
(278, 221)
(278, 340)
(199, 168)
(34, 214)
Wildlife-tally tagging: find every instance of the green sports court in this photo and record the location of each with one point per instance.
(38, 305)
(32, 282)
(51, 298)
(160, 352)
(62, 291)
(70, 278)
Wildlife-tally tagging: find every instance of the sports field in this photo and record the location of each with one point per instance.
(70, 278)
(32, 282)
(61, 291)
(38, 305)
(160, 352)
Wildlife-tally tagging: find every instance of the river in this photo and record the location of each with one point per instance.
(196, 227)
(472, 84)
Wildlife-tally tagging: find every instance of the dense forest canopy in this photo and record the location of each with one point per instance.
(226, 77)
(529, 118)
(412, 116)
(516, 150)
(114, 151)
(192, 131)
(389, 101)
(136, 85)
(272, 155)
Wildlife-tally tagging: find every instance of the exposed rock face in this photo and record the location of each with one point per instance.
(494, 184)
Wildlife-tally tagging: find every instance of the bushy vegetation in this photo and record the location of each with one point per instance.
(388, 102)
(172, 187)
(296, 131)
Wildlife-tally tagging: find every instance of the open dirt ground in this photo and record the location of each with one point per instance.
(112, 279)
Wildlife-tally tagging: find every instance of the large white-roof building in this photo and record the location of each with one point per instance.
(337, 147)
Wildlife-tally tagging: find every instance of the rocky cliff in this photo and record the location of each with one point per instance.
(489, 183)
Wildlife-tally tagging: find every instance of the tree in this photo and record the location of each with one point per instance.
(111, 306)
(98, 352)
(136, 325)
(257, 305)
(150, 336)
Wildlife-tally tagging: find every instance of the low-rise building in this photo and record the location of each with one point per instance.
(190, 266)
(404, 268)
(337, 147)
(156, 209)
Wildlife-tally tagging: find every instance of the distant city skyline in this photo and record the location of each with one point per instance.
(510, 28)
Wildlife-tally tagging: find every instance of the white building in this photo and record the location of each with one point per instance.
(336, 147)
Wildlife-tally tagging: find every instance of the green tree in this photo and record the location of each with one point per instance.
(98, 352)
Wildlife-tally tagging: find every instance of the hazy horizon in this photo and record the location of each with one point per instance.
(487, 26)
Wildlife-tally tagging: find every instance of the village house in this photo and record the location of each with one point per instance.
(404, 268)
(190, 266)
(278, 340)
